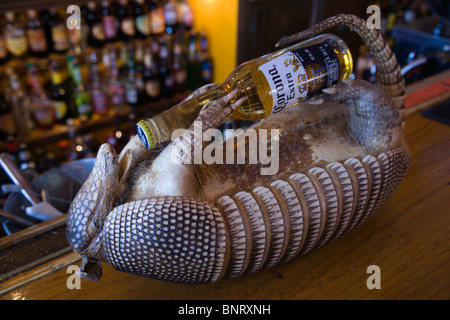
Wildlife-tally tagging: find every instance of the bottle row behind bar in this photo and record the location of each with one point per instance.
(99, 81)
(39, 33)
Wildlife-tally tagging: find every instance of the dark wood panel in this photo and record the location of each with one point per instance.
(263, 22)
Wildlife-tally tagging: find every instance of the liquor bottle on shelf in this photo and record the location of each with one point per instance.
(110, 25)
(185, 15)
(116, 91)
(76, 148)
(132, 95)
(40, 105)
(152, 77)
(60, 92)
(157, 17)
(207, 64)
(81, 96)
(15, 36)
(141, 20)
(179, 67)
(36, 35)
(307, 67)
(170, 16)
(20, 104)
(58, 32)
(96, 35)
(165, 70)
(126, 22)
(97, 88)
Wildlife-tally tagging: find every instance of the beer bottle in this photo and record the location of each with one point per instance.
(36, 35)
(152, 77)
(157, 21)
(81, 96)
(126, 22)
(58, 32)
(165, 69)
(270, 83)
(60, 91)
(109, 22)
(141, 20)
(96, 35)
(98, 91)
(40, 105)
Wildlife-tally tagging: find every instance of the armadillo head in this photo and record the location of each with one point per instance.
(92, 204)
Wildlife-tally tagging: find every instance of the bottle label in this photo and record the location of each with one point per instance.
(185, 14)
(38, 43)
(180, 76)
(109, 27)
(158, 23)
(83, 103)
(100, 102)
(153, 88)
(43, 113)
(143, 24)
(97, 32)
(131, 94)
(117, 94)
(127, 27)
(60, 108)
(287, 79)
(60, 37)
(16, 42)
(321, 65)
(296, 74)
(170, 16)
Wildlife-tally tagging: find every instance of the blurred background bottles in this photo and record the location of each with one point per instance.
(128, 57)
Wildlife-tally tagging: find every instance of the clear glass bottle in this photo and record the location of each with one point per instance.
(271, 83)
(81, 96)
(41, 107)
(58, 32)
(20, 104)
(60, 91)
(97, 88)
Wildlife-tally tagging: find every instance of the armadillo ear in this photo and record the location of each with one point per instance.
(125, 164)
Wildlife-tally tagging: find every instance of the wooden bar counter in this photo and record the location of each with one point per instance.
(408, 239)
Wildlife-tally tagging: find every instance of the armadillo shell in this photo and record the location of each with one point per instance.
(186, 240)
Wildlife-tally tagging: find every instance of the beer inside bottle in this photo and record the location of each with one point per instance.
(272, 83)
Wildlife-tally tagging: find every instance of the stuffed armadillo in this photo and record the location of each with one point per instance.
(339, 160)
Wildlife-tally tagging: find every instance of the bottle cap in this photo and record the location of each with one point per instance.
(145, 134)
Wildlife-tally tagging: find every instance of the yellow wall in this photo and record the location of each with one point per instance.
(219, 18)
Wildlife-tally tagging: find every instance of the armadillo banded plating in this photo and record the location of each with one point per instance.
(174, 239)
(185, 240)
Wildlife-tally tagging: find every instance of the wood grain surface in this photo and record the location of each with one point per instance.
(408, 238)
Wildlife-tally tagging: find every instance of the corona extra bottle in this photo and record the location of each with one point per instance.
(271, 83)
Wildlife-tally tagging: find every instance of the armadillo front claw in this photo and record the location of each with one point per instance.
(214, 114)
(90, 269)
